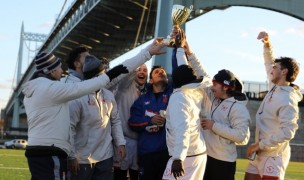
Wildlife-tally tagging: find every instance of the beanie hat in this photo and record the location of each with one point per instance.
(47, 62)
(225, 77)
(92, 66)
(182, 75)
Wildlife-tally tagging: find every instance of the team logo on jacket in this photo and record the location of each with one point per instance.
(269, 169)
(147, 102)
(91, 102)
(165, 98)
(269, 100)
(224, 108)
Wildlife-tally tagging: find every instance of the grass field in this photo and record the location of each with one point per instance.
(13, 166)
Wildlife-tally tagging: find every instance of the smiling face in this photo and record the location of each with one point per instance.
(219, 91)
(141, 74)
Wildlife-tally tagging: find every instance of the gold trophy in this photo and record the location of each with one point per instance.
(179, 16)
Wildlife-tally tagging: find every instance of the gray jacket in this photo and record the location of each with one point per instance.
(95, 124)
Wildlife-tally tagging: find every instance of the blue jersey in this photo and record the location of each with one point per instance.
(150, 102)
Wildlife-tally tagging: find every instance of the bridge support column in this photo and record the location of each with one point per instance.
(162, 29)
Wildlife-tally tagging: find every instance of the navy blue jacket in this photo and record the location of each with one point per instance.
(149, 142)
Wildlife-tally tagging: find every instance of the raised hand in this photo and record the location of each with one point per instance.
(264, 37)
(180, 39)
(174, 32)
(156, 47)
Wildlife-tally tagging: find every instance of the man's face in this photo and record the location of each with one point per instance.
(159, 76)
(277, 73)
(141, 75)
(218, 90)
(57, 73)
(79, 63)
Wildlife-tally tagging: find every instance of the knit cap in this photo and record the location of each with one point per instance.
(92, 66)
(182, 75)
(47, 62)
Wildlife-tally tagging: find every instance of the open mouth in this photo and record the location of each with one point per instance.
(141, 77)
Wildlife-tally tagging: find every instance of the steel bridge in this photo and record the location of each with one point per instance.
(109, 28)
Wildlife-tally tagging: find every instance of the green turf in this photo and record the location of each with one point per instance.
(295, 170)
(13, 166)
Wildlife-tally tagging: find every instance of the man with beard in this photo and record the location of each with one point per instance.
(95, 127)
(147, 121)
(147, 118)
(129, 87)
(276, 119)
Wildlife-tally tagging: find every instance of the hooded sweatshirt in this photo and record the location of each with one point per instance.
(276, 119)
(183, 133)
(231, 119)
(95, 124)
(47, 109)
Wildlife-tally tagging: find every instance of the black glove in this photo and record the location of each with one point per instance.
(116, 71)
(177, 168)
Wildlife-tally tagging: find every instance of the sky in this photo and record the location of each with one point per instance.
(222, 39)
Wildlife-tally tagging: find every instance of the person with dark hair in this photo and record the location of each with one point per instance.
(147, 119)
(225, 125)
(75, 61)
(127, 87)
(95, 127)
(276, 118)
(184, 138)
(46, 106)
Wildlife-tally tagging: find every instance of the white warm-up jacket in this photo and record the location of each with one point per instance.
(46, 104)
(126, 91)
(95, 126)
(183, 133)
(276, 119)
(231, 119)
(47, 109)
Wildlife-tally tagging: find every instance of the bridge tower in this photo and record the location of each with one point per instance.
(26, 38)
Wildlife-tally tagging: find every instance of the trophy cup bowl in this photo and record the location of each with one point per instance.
(179, 16)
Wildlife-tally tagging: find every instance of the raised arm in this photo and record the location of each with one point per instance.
(268, 55)
(155, 48)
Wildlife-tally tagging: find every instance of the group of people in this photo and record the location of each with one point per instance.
(97, 123)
